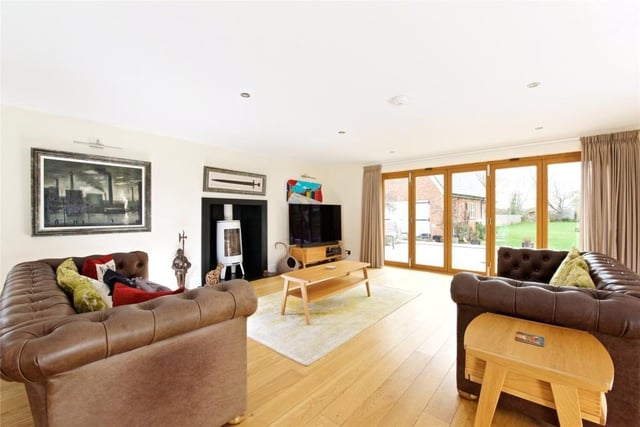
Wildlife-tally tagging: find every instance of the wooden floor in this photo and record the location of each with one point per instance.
(398, 372)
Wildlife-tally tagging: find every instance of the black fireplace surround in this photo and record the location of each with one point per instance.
(252, 215)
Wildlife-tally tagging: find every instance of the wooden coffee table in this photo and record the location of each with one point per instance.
(323, 280)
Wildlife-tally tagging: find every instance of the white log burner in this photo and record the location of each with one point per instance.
(229, 246)
(252, 214)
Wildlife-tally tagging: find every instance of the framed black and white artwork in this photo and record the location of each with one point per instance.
(85, 194)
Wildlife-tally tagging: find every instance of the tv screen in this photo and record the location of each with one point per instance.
(313, 225)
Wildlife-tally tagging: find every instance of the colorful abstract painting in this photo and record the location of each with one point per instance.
(303, 191)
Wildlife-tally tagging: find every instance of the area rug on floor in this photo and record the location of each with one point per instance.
(334, 320)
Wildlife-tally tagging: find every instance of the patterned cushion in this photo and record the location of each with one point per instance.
(85, 296)
(573, 271)
(95, 267)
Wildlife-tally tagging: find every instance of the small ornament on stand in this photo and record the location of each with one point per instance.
(180, 263)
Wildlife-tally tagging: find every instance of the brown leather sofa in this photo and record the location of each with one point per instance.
(611, 313)
(175, 360)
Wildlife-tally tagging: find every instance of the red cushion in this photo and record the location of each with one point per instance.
(89, 265)
(123, 294)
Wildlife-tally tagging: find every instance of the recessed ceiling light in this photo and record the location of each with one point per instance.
(538, 128)
(245, 94)
(533, 84)
(342, 132)
(399, 100)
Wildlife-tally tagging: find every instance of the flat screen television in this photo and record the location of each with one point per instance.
(314, 225)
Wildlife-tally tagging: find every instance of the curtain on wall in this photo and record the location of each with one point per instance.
(610, 196)
(372, 237)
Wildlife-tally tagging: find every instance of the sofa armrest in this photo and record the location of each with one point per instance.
(57, 345)
(611, 275)
(591, 310)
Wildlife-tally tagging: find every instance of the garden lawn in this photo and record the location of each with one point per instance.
(562, 234)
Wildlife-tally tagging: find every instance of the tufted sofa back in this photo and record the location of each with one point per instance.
(538, 265)
(533, 265)
(31, 292)
(130, 264)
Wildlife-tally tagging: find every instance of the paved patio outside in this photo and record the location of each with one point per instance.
(465, 256)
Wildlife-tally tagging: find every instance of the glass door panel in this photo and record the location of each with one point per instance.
(396, 220)
(563, 205)
(515, 207)
(468, 218)
(429, 220)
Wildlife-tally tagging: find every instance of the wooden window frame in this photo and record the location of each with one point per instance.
(542, 215)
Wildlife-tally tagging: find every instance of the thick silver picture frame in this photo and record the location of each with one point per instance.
(74, 193)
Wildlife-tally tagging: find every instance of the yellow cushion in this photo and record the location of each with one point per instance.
(85, 296)
(573, 271)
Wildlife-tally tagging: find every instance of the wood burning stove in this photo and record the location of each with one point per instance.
(229, 246)
(252, 214)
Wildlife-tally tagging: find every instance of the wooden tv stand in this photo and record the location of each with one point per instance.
(316, 254)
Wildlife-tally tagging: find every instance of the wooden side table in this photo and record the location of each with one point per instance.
(562, 368)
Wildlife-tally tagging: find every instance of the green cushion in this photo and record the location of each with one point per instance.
(85, 296)
(573, 271)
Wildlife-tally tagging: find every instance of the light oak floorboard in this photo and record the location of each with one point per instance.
(398, 372)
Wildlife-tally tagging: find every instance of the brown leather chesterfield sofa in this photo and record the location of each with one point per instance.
(174, 360)
(611, 313)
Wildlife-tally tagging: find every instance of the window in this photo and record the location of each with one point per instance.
(563, 205)
(468, 188)
(454, 218)
(472, 211)
(396, 219)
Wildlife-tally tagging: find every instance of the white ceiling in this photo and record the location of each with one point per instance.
(316, 68)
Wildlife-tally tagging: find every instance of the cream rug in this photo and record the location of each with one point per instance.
(334, 320)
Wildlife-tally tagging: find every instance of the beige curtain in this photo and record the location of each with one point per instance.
(372, 228)
(611, 196)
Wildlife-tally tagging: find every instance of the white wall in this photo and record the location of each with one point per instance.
(176, 170)
(344, 184)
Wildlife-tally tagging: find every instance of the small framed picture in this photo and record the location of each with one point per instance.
(229, 181)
